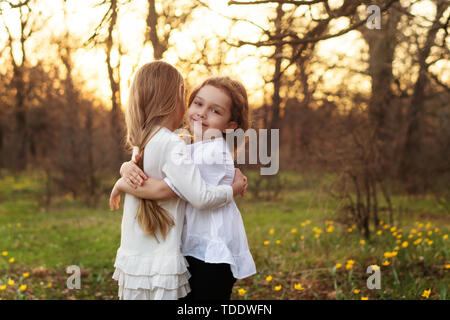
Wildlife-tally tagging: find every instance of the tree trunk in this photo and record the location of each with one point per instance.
(412, 141)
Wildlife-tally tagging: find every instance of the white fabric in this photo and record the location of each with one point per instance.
(154, 268)
(215, 235)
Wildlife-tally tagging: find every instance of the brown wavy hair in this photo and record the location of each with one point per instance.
(155, 94)
(239, 100)
(237, 93)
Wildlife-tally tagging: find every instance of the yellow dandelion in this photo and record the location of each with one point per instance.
(277, 288)
(385, 263)
(381, 222)
(362, 242)
(348, 266)
(277, 241)
(49, 285)
(298, 286)
(294, 230)
(317, 235)
(12, 260)
(379, 232)
(385, 226)
(393, 229)
(308, 221)
(302, 237)
(302, 224)
(19, 225)
(445, 236)
(394, 233)
(410, 236)
(353, 226)
(419, 234)
(356, 291)
(394, 253)
(242, 292)
(397, 248)
(269, 278)
(364, 298)
(317, 230)
(10, 282)
(399, 236)
(3, 287)
(350, 261)
(405, 244)
(413, 231)
(266, 243)
(272, 231)
(4, 253)
(398, 241)
(429, 242)
(330, 229)
(436, 230)
(447, 266)
(349, 230)
(426, 293)
(26, 274)
(430, 233)
(23, 287)
(338, 265)
(387, 255)
(418, 241)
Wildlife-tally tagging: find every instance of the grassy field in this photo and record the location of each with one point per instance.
(300, 249)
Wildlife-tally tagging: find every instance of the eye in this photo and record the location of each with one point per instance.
(197, 103)
(215, 111)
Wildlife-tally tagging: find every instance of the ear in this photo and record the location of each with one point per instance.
(232, 125)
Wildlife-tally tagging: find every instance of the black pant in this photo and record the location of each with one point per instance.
(209, 281)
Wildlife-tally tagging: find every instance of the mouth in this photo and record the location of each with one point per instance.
(204, 125)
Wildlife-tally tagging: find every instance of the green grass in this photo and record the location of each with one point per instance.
(43, 243)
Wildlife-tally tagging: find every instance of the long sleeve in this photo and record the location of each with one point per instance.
(184, 175)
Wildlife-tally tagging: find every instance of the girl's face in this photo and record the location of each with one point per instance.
(210, 109)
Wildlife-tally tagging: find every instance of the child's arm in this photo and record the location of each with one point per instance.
(152, 188)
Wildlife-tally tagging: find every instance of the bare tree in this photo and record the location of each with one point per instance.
(19, 59)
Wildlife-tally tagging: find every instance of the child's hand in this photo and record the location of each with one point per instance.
(245, 186)
(114, 198)
(132, 174)
(240, 183)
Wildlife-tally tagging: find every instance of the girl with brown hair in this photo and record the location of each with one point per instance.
(149, 264)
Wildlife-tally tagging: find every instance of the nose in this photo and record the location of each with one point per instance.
(202, 114)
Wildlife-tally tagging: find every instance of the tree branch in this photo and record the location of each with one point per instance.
(297, 3)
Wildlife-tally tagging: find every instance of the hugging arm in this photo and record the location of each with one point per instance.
(153, 189)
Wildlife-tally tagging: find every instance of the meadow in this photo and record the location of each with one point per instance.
(301, 248)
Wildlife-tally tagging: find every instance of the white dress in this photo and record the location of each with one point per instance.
(144, 267)
(215, 235)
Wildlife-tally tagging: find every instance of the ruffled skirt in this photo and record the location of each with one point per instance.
(151, 278)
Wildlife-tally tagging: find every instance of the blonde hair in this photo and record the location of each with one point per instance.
(154, 96)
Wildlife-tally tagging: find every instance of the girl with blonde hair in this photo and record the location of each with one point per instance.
(149, 264)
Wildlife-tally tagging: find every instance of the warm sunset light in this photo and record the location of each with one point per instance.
(79, 18)
(223, 150)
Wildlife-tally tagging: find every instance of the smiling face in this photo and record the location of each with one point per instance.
(210, 109)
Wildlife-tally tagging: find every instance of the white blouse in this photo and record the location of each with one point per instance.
(156, 265)
(215, 235)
